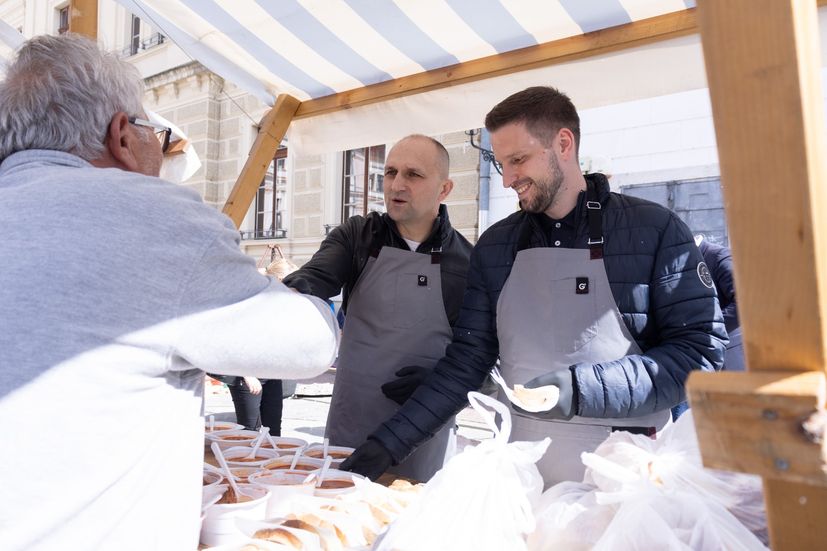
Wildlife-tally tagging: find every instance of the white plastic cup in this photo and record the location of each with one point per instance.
(337, 453)
(219, 527)
(283, 486)
(336, 482)
(231, 438)
(242, 474)
(305, 464)
(237, 457)
(221, 425)
(284, 444)
(211, 478)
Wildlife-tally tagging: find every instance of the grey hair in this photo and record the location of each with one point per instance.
(61, 93)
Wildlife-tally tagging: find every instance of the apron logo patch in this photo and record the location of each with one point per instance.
(422, 280)
(704, 275)
(582, 286)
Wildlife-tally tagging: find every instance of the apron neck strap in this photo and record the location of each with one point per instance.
(436, 253)
(594, 212)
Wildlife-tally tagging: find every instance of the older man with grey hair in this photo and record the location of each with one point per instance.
(118, 290)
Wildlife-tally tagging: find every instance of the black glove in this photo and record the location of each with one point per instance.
(566, 407)
(371, 459)
(399, 390)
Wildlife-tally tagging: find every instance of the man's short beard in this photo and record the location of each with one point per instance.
(545, 190)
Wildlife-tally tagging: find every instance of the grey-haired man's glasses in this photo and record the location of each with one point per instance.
(161, 132)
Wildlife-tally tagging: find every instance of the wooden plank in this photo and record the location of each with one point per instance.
(763, 69)
(271, 131)
(753, 423)
(794, 502)
(769, 125)
(634, 34)
(83, 18)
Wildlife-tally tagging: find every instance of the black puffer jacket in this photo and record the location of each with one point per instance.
(345, 251)
(652, 265)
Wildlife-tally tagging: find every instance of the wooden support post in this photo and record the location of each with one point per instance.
(83, 18)
(271, 131)
(763, 67)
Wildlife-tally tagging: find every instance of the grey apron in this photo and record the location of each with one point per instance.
(395, 318)
(577, 321)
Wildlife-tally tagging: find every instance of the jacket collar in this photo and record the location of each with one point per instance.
(535, 228)
(442, 226)
(39, 158)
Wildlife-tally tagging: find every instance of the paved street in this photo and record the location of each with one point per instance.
(305, 414)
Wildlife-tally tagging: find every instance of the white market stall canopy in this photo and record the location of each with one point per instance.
(377, 57)
(9, 40)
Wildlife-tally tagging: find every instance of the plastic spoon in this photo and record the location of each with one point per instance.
(227, 474)
(262, 433)
(550, 401)
(324, 447)
(212, 423)
(323, 472)
(296, 456)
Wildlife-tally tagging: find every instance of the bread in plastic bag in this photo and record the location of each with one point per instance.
(641, 494)
(673, 461)
(481, 500)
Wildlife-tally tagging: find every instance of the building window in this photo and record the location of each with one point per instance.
(362, 181)
(699, 203)
(135, 35)
(270, 215)
(63, 20)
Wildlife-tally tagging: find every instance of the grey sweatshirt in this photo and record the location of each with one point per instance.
(117, 292)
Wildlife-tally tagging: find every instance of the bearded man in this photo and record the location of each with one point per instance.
(602, 295)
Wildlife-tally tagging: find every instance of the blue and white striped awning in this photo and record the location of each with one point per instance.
(10, 39)
(315, 48)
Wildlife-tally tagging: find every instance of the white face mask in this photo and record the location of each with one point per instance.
(180, 167)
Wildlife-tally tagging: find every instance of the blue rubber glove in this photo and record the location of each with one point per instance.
(566, 407)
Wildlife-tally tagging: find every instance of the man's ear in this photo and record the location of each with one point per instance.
(566, 146)
(121, 141)
(447, 186)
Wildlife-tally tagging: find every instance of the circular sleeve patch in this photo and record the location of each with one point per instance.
(704, 275)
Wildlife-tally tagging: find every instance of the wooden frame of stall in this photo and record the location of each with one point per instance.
(763, 68)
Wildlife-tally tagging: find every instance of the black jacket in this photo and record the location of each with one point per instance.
(652, 265)
(719, 261)
(345, 251)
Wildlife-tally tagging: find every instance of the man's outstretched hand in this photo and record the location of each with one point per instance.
(566, 407)
(371, 459)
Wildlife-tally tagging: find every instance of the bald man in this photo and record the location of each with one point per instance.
(403, 274)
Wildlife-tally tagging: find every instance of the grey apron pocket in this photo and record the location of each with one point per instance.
(412, 300)
(575, 310)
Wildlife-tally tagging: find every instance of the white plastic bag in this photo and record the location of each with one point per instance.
(481, 500)
(679, 521)
(569, 517)
(673, 463)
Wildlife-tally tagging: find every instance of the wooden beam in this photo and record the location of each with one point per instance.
(763, 68)
(83, 18)
(272, 128)
(795, 502)
(663, 27)
(762, 423)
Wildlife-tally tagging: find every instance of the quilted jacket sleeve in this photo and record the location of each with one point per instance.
(688, 332)
(331, 268)
(467, 361)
